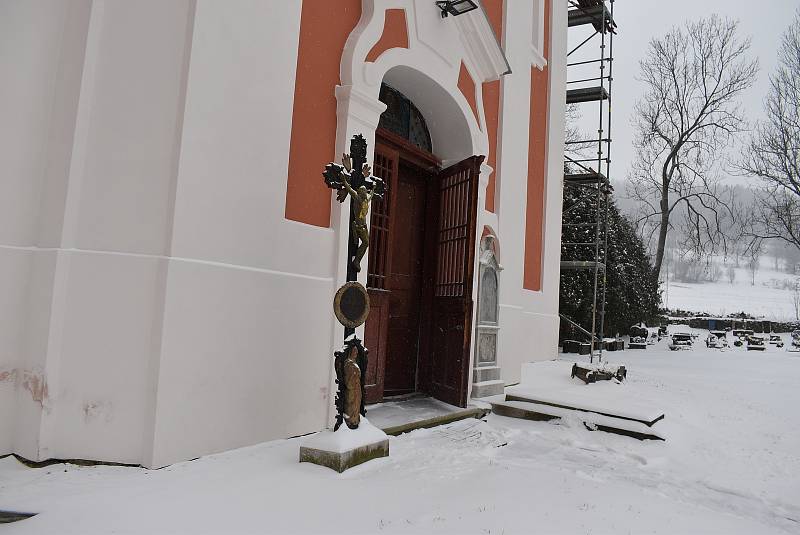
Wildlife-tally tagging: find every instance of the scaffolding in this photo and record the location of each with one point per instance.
(586, 179)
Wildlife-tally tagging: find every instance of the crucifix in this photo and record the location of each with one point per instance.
(353, 179)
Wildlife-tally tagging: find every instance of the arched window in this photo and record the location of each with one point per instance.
(403, 118)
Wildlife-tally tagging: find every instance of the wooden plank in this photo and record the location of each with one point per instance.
(586, 94)
(594, 15)
(585, 178)
(6, 517)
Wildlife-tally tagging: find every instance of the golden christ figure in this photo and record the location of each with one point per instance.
(354, 183)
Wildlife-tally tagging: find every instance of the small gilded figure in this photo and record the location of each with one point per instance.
(361, 187)
(350, 365)
(361, 198)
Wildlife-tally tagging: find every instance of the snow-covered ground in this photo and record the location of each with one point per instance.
(766, 297)
(730, 464)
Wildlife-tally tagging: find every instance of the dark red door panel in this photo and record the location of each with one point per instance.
(451, 300)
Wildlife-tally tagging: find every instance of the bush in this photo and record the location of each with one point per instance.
(632, 294)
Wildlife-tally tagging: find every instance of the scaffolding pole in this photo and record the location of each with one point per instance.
(600, 14)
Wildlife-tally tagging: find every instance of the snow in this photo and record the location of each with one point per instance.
(550, 382)
(766, 298)
(729, 464)
(346, 439)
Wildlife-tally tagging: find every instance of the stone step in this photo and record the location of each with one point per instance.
(485, 373)
(592, 421)
(469, 412)
(583, 400)
(483, 389)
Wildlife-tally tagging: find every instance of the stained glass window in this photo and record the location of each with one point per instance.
(403, 118)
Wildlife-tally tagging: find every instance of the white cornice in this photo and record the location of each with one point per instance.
(481, 45)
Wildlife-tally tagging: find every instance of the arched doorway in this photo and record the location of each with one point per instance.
(421, 258)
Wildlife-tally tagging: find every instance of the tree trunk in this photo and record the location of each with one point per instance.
(662, 239)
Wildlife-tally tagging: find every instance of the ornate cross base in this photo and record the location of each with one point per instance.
(358, 441)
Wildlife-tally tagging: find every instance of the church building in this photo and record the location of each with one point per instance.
(169, 249)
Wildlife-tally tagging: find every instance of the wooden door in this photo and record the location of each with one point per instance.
(385, 165)
(405, 281)
(453, 244)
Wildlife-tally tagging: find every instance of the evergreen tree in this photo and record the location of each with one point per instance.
(632, 292)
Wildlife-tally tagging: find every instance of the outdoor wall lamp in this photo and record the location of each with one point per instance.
(455, 7)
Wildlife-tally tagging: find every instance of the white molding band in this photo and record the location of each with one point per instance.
(227, 265)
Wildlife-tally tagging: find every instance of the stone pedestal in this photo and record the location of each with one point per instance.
(346, 447)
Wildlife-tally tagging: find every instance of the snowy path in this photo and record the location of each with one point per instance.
(730, 465)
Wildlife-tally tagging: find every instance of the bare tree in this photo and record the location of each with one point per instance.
(736, 251)
(775, 250)
(694, 75)
(796, 300)
(576, 146)
(792, 261)
(713, 271)
(731, 272)
(774, 150)
(754, 260)
(572, 115)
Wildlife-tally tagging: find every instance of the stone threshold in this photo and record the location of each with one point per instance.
(463, 414)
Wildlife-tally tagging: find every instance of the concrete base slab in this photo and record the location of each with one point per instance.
(341, 461)
(345, 448)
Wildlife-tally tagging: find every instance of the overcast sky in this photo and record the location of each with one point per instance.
(640, 20)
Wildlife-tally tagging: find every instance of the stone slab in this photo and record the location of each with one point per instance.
(488, 388)
(592, 421)
(342, 460)
(435, 421)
